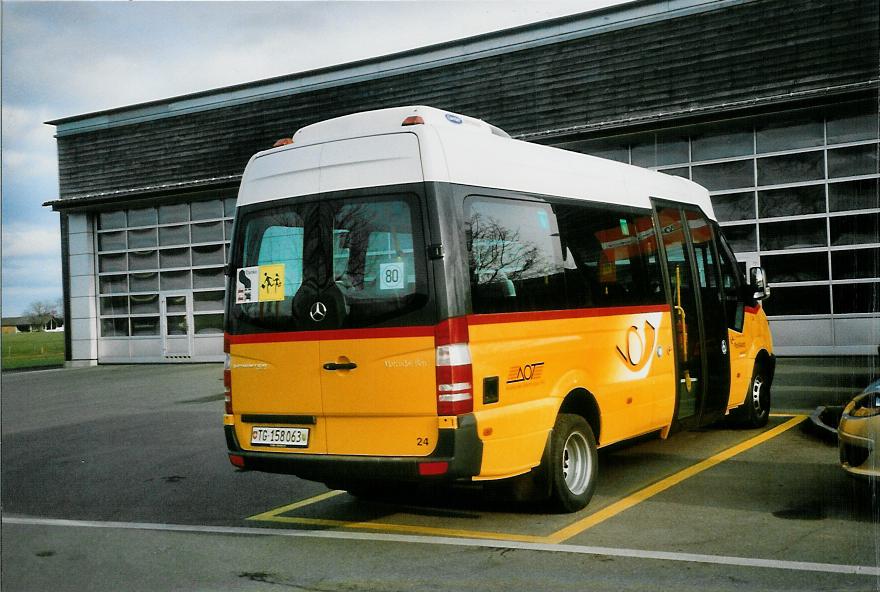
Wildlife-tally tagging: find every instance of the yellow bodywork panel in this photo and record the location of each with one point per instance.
(386, 406)
(624, 360)
(744, 348)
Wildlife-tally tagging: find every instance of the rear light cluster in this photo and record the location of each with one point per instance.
(227, 377)
(455, 389)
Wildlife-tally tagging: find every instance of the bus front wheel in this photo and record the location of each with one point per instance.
(572, 463)
(755, 411)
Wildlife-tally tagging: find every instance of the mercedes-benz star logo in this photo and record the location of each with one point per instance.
(318, 312)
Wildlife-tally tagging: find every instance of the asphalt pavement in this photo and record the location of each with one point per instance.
(116, 478)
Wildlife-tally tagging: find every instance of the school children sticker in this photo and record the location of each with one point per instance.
(260, 283)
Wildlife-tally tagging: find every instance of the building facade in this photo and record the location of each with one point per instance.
(771, 105)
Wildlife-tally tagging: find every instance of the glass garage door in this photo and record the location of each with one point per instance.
(161, 281)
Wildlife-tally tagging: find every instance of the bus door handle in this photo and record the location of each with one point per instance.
(343, 366)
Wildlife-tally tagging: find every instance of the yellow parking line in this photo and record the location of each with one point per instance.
(275, 515)
(302, 503)
(411, 529)
(664, 484)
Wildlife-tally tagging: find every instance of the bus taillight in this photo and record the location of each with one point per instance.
(227, 377)
(455, 390)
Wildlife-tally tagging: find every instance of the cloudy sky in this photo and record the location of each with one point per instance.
(69, 58)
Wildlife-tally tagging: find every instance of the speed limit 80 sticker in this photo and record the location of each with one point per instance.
(391, 275)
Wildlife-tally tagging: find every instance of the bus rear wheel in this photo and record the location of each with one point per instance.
(572, 465)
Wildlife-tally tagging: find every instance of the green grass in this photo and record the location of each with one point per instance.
(31, 350)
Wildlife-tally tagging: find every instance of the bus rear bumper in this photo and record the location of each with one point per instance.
(458, 455)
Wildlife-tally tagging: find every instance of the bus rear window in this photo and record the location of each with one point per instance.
(362, 258)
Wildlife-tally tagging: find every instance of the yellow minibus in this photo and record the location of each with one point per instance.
(415, 296)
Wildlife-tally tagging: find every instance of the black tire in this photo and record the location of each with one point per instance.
(755, 410)
(572, 465)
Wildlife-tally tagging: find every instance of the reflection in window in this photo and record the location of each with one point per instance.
(173, 213)
(734, 206)
(175, 303)
(111, 241)
(723, 140)
(798, 300)
(785, 235)
(142, 217)
(114, 284)
(205, 210)
(725, 175)
(800, 267)
(208, 324)
(142, 326)
(174, 258)
(207, 232)
(112, 263)
(144, 282)
(853, 195)
(173, 235)
(208, 255)
(107, 220)
(852, 230)
(174, 280)
(852, 161)
(114, 305)
(175, 325)
(138, 260)
(779, 134)
(741, 238)
(853, 123)
(660, 149)
(855, 298)
(791, 201)
(515, 257)
(208, 278)
(114, 327)
(144, 303)
(142, 238)
(791, 168)
(855, 264)
(203, 301)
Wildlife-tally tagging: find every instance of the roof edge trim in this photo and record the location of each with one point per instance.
(528, 36)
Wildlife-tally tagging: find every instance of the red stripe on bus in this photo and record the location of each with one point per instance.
(554, 315)
(331, 334)
(430, 330)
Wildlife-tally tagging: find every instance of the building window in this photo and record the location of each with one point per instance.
(813, 178)
(142, 252)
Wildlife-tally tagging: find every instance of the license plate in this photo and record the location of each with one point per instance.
(282, 437)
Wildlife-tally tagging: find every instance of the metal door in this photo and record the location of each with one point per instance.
(176, 325)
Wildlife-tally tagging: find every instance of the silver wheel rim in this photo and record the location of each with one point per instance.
(576, 463)
(756, 395)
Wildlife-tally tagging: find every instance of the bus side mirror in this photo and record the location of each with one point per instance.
(758, 283)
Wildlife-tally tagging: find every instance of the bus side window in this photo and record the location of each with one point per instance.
(516, 259)
(615, 255)
(731, 285)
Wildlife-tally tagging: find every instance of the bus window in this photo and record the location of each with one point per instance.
(611, 257)
(733, 302)
(515, 256)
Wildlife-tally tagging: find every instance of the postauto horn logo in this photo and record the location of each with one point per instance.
(638, 346)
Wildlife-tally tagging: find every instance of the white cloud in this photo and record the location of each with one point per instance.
(31, 240)
(28, 144)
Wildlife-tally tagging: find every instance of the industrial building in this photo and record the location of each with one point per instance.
(772, 105)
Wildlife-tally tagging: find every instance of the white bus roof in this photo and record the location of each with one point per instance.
(375, 148)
